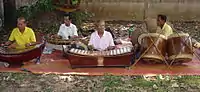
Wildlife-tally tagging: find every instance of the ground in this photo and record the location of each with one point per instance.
(27, 82)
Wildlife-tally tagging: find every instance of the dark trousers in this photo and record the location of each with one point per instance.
(136, 55)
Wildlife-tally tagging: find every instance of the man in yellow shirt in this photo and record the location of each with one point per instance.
(22, 36)
(165, 28)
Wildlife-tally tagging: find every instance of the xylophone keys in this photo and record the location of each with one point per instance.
(118, 51)
(85, 52)
(108, 53)
(115, 52)
(76, 51)
(122, 50)
(79, 51)
(71, 50)
(82, 52)
(111, 52)
(125, 50)
(128, 49)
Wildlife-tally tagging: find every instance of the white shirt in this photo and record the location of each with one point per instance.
(66, 31)
(101, 43)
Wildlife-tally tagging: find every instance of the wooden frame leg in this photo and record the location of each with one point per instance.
(64, 52)
(152, 44)
(193, 52)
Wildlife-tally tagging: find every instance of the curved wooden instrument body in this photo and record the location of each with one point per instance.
(19, 56)
(83, 58)
(179, 48)
(155, 51)
(53, 40)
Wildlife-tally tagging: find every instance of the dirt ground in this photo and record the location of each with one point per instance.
(25, 82)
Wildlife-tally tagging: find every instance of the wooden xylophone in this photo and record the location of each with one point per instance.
(51, 39)
(58, 41)
(83, 58)
(18, 56)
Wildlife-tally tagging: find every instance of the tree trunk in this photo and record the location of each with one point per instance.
(9, 14)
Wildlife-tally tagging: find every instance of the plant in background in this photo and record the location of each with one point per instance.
(75, 2)
(62, 2)
(51, 23)
(68, 3)
(31, 13)
(40, 6)
(80, 16)
(1, 22)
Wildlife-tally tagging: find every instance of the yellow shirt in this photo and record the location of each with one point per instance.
(166, 30)
(21, 39)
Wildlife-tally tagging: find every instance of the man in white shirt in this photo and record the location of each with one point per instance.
(101, 39)
(67, 30)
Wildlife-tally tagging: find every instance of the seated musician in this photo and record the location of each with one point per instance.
(100, 39)
(167, 30)
(22, 36)
(67, 30)
(150, 26)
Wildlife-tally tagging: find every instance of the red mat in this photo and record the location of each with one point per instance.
(57, 64)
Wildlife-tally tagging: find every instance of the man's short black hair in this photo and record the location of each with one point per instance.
(162, 17)
(68, 15)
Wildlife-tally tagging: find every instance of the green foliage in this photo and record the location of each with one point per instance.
(112, 81)
(74, 2)
(51, 28)
(62, 2)
(78, 17)
(1, 20)
(190, 79)
(52, 24)
(40, 6)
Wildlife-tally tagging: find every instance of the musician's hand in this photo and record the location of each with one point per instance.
(74, 36)
(13, 46)
(110, 48)
(197, 45)
(2, 44)
(56, 36)
(28, 44)
(90, 47)
(5, 44)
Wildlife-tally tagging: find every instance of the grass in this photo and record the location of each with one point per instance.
(23, 82)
